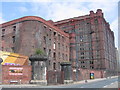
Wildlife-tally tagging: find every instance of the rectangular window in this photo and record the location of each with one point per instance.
(44, 50)
(49, 52)
(49, 62)
(3, 37)
(44, 39)
(14, 28)
(55, 34)
(58, 36)
(63, 56)
(13, 37)
(82, 53)
(3, 31)
(82, 57)
(54, 55)
(54, 66)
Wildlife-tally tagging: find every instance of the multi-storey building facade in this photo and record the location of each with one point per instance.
(87, 41)
(91, 41)
(26, 35)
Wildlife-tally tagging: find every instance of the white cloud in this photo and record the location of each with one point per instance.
(63, 9)
(69, 9)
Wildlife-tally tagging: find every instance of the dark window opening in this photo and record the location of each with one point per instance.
(45, 26)
(14, 28)
(96, 21)
(91, 62)
(82, 62)
(88, 23)
(54, 33)
(63, 56)
(91, 67)
(49, 62)
(3, 37)
(44, 50)
(54, 66)
(59, 66)
(82, 53)
(3, 31)
(44, 39)
(13, 39)
(82, 57)
(54, 55)
(49, 52)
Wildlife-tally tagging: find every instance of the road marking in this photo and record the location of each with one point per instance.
(105, 86)
(112, 83)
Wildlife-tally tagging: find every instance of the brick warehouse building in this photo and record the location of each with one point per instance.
(90, 38)
(25, 35)
(91, 42)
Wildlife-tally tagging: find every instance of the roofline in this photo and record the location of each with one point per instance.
(69, 19)
(33, 18)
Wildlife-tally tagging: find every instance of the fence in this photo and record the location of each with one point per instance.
(55, 77)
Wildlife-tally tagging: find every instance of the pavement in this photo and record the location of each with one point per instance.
(79, 84)
(112, 85)
(93, 80)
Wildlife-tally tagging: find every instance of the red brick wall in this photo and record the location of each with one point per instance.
(29, 36)
(25, 78)
(102, 49)
(84, 73)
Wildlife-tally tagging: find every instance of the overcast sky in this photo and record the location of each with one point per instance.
(59, 10)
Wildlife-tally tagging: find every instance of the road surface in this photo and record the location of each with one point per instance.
(105, 83)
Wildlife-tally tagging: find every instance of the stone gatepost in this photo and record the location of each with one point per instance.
(66, 67)
(39, 67)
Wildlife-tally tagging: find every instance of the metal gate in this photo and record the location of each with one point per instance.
(55, 77)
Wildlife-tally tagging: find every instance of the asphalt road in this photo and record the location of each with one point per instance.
(96, 84)
(106, 83)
